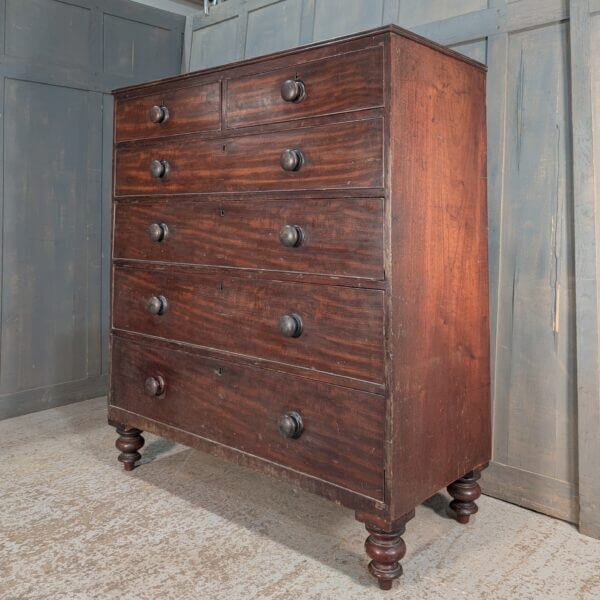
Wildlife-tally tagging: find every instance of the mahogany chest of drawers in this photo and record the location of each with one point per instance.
(299, 273)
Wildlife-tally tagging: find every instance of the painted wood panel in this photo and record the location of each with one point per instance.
(476, 50)
(58, 60)
(50, 275)
(417, 12)
(585, 77)
(542, 220)
(48, 31)
(137, 50)
(212, 45)
(535, 394)
(273, 27)
(340, 17)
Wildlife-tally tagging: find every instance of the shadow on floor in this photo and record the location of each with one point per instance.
(301, 521)
(155, 449)
(438, 503)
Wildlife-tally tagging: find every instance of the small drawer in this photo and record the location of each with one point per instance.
(324, 327)
(338, 156)
(186, 110)
(329, 432)
(342, 83)
(328, 236)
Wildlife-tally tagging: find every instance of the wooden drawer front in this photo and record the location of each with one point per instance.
(342, 327)
(343, 430)
(341, 83)
(342, 155)
(191, 109)
(340, 237)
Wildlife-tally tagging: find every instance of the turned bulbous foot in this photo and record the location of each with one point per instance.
(465, 491)
(128, 443)
(385, 546)
(386, 549)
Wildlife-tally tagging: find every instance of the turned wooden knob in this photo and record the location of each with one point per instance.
(290, 425)
(154, 386)
(157, 232)
(290, 325)
(159, 114)
(159, 169)
(291, 236)
(292, 90)
(156, 305)
(291, 159)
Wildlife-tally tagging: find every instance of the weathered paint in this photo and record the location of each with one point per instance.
(59, 61)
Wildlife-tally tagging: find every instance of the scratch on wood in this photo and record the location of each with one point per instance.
(519, 108)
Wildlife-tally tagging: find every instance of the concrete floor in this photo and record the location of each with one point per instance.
(188, 526)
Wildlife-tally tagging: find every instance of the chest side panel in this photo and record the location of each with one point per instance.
(439, 337)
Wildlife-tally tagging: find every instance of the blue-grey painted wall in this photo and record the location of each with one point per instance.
(58, 63)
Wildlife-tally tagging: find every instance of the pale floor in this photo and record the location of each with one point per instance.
(188, 526)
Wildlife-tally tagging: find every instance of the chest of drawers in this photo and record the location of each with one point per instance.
(299, 273)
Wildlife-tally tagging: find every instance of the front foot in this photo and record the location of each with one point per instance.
(465, 491)
(386, 548)
(129, 442)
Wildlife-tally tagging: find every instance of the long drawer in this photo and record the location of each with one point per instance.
(338, 156)
(339, 432)
(324, 327)
(330, 236)
(340, 83)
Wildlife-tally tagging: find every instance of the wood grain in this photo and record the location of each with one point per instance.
(346, 155)
(439, 379)
(346, 82)
(341, 236)
(342, 440)
(494, 34)
(585, 84)
(190, 110)
(417, 332)
(240, 359)
(343, 327)
(535, 389)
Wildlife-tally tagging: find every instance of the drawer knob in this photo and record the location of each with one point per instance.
(159, 168)
(292, 90)
(290, 325)
(290, 425)
(291, 159)
(159, 114)
(156, 305)
(157, 232)
(154, 386)
(291, 236)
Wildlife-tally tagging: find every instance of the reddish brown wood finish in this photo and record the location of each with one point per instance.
(190, 109)
(240, 359)
(403, 314)
(341, 237)
(128, 443)
(343, 327)
(256, 99)
(342, 440)
(347, 155)
(385, 546)
(439, 328)
(465, 491)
